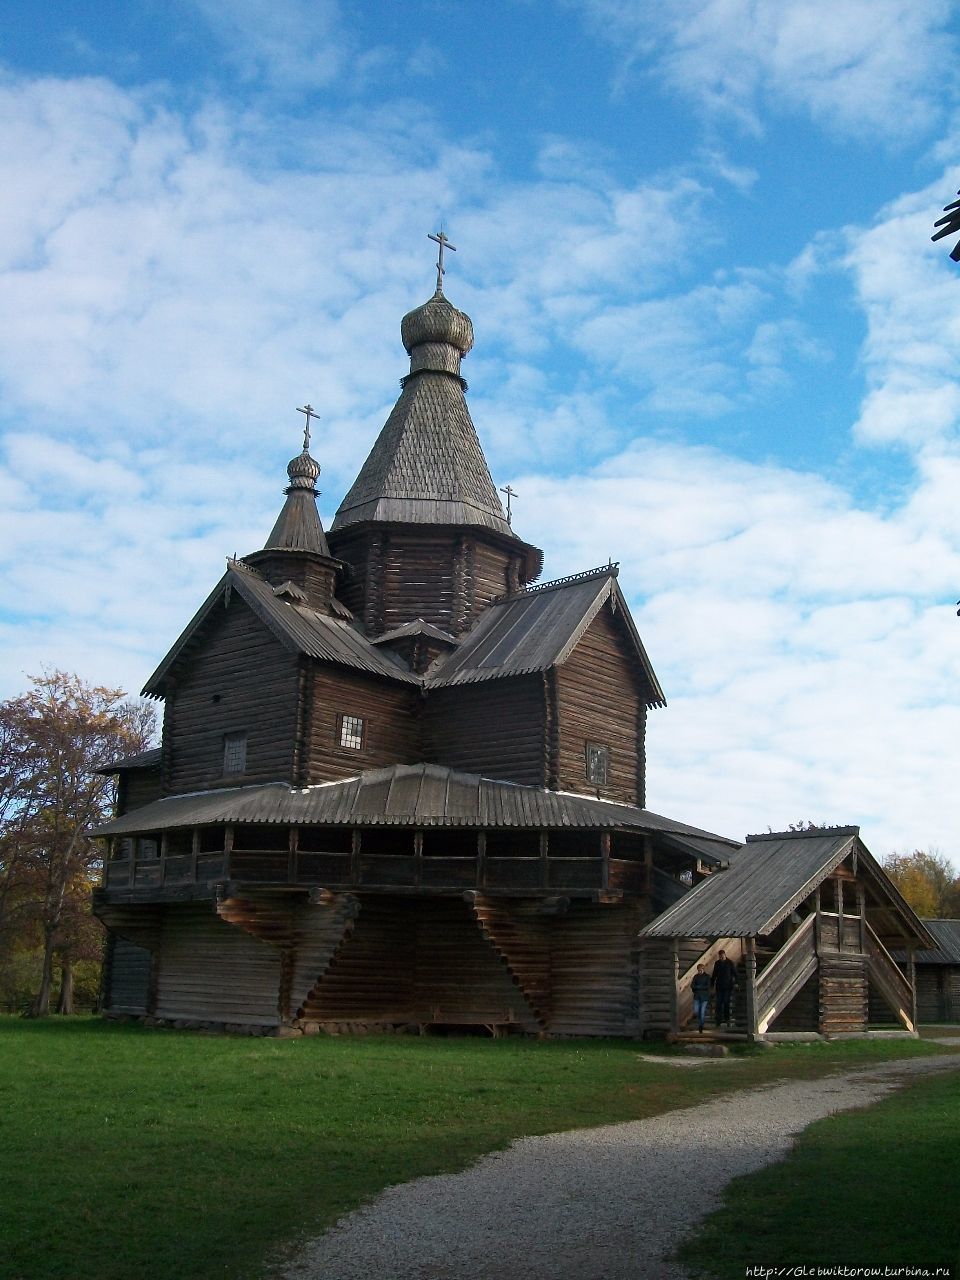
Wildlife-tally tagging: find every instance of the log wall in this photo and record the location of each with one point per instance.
(126, 976)
(238, 679)
(496, 728)
(843, 994)
(391, 716)
(445, 576)
(137, 787)
(595, 974)
(600, 699)
(210, 970)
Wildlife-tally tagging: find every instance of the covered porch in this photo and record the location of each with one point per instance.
(809, 919)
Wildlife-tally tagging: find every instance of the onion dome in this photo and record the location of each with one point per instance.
(303, 471)
(436, 335)
(298, 526)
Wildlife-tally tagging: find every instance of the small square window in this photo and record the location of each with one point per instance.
(234, 752)
(351, 732)
(598, 763)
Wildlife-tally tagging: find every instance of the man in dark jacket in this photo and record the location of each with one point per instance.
(723, 981)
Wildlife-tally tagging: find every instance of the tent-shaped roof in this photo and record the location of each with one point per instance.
(538, 629)
(767, 879)
(420, 795)
(298, 627)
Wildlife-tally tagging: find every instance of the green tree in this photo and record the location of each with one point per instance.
(53, 740)
(928, 881)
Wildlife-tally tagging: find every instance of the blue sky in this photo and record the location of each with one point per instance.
(714, 340)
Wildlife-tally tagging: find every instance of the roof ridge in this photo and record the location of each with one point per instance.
(808, 834)
(609, 570)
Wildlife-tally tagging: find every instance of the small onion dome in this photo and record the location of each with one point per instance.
(303, 471)
(437, 321)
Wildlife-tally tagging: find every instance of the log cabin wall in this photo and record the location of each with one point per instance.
(446, 576)
(595, 970)
(315, 575)
(391, 724)
(496, 728)
(126, 979)
(137, 787)
(843, 994)
(238, 679)
(211, 971)
(600, 700)
(417, 961)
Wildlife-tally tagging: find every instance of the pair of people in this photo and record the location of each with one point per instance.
(723, 980)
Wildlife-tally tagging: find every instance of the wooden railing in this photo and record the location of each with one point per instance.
(886, 976)
(379, 871)
(792, 966)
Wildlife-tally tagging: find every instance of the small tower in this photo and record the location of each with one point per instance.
(422, 526)
(296, 556)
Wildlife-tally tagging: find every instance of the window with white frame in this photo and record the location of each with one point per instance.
(351, 732)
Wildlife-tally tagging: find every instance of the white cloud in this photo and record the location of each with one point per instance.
(296, 46)
(808, 648)
(868, 67)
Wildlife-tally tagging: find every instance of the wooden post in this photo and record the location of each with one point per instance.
(226, 869)
(355, 841)
(818, 926)
(648, 863)
(481, 859)
(675, 987)
(862, 908)
(839, 884)
(194, 854)
(912, 969)
(605, 861)
(292, 842)
(417, 858)
(750, 961)
(544, 860)
(163, 859)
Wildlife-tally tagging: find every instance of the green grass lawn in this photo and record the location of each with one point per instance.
(865, 1188)
(129, 1152)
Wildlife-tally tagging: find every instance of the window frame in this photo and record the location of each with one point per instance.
(344, 719)
(237, 737)
(594, 752)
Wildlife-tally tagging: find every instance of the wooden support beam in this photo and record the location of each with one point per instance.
(750, 962)
(675, 987)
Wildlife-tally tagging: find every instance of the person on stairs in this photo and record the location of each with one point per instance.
(700, 986)
(723, 981)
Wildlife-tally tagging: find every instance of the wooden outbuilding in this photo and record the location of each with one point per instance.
(937, 973)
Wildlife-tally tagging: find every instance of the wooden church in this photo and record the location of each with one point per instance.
(401, 780)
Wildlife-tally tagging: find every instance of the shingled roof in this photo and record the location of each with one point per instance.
(427, 466)
(419, 795)
(297, 627)
(538, 629)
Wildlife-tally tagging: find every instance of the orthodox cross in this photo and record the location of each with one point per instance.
(308, 411)
(441, 239)
(511, 493)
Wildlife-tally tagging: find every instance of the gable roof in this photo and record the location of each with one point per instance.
(298, 628)
(768, 877)
(419, 795)
(538, 629)
(946, 934)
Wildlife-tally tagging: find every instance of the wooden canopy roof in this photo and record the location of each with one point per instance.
(768, 878)
(420, 795)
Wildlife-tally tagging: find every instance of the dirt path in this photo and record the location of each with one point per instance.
(591, 1204)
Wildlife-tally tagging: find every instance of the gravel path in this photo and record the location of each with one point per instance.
(591, 1204)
